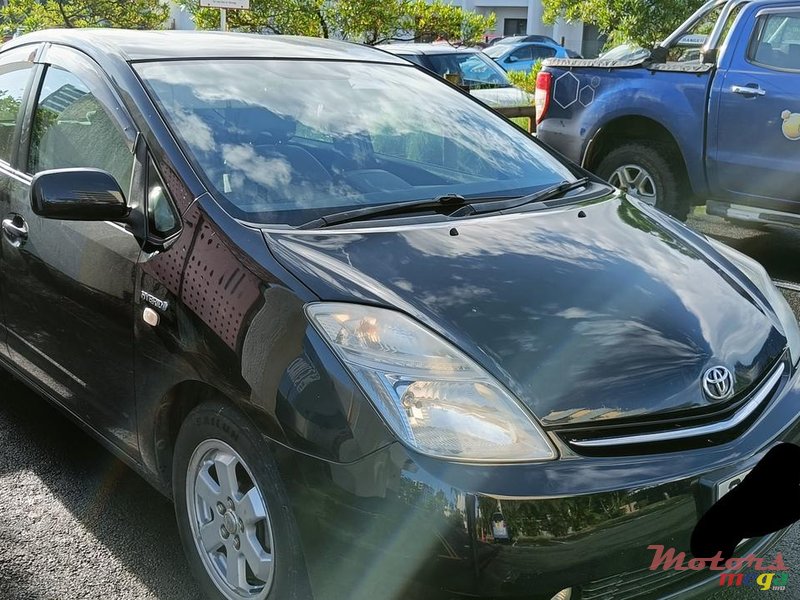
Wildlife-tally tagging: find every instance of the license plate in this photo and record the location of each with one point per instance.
(725, 486)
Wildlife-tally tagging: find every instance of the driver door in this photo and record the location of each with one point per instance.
(755, 141)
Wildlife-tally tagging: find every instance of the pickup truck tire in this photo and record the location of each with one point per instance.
(649, 172)
(234, 519)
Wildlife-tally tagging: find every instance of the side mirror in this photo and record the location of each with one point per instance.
(512, 59)
(78, 195)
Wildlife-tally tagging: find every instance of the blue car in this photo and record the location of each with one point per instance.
(522, 57)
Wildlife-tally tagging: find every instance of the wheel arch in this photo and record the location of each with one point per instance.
(632, 129)
(172, 411)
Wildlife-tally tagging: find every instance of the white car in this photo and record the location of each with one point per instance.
(467, 67)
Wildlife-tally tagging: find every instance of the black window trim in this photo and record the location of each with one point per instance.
(760, 22)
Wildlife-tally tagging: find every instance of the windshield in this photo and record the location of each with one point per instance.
(473, 70)
(626, 52)
(284, 141)
(496, 50)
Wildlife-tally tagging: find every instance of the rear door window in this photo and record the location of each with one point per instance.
(542, 52)
(14, 79)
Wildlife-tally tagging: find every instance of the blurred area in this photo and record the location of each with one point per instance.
(774, 247)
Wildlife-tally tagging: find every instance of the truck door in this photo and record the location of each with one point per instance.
(754, 125)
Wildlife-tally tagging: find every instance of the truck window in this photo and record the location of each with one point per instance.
(776, 42)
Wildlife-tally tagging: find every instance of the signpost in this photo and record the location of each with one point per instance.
(223, 6)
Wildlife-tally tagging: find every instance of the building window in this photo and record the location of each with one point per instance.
(515, 26)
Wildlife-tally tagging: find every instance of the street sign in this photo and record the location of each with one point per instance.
(231, 4)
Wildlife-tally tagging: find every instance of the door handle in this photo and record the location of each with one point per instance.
(749, 91)
(15, 230)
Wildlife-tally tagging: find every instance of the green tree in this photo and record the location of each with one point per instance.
(526, 80)
(644, 22)
(365, 21)
(30, 15)
(296, 17)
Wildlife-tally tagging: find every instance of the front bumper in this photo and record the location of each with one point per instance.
(399, 525)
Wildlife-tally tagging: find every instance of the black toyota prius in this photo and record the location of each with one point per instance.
(375, 341)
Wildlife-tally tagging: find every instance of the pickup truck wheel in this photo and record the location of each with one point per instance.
(649, 173)
(233, 514)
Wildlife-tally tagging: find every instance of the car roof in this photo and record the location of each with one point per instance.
(520, 44)
(133, 45)
(514, 39)
(412, 48)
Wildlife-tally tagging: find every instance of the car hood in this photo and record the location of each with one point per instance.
(503, 97)
(589, 313)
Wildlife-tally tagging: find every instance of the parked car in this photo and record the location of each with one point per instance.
(517, 39)
(625, 52)
(522, 57)
(710, 119)
(466, 67)
(339, 311)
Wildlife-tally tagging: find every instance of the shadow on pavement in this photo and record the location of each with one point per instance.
(75, 522)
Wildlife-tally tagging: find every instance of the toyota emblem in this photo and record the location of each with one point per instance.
(718, 383)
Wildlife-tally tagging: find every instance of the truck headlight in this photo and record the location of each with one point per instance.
(758, 275)
(435, 399)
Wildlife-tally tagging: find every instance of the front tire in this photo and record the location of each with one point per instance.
(649, 172)
(233, 514)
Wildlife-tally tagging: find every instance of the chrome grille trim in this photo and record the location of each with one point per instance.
(710, 429)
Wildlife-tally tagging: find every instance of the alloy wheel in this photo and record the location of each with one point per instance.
(230, 522)
(636, 181)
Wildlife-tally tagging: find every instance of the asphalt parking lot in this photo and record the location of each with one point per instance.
(77, 524)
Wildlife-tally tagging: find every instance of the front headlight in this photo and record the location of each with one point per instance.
(760, 278)
(433, 397)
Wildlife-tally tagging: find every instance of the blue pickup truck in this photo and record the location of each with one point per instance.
(710, 114)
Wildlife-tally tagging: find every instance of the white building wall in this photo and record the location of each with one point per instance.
(532, 10)
(570, 33)
(178, 19)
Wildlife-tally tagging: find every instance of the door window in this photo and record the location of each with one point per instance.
(162, 218)
(776, 43)
(542, 52)
(523, 53)
(71, 128)
(13, 82)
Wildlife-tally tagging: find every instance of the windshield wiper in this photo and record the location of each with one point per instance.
(491, 205)
(385, 210)
(462, 206)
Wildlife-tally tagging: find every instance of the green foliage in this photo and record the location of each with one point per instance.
(439, 19)
(30, 15)
(298, 17)
(526, 80)
(644, 22)
(367, 21)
